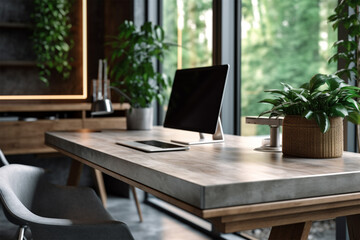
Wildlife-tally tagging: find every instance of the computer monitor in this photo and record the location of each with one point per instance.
(195, 102)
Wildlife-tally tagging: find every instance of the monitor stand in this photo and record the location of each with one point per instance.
(217, 137)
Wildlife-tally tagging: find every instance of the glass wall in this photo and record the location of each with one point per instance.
(187, 24)
(282, 41)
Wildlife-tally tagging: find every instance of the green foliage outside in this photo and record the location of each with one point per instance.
(51, 37)
(195, 44)
(282, 41)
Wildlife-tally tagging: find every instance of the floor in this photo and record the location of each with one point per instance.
(158, 225)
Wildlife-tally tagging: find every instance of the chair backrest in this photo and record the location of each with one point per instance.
(3, 160)
(18, 184)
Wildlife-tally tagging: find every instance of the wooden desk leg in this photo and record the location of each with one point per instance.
(297, 231)
(101, 186)
(75, 173)
(137, 203)
(353, 226)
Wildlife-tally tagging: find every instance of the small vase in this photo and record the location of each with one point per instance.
(139, 118)
(303, 138)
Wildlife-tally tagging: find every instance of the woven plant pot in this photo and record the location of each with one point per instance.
(303, 138)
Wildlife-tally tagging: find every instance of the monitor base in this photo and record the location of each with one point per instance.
(217, 137)
(268, 148)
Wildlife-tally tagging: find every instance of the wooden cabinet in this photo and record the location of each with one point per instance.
(24, 137)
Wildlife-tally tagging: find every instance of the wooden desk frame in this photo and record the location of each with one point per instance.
(289, 219)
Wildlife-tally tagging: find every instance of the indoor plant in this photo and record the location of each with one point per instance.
(51, 37)
(321, 102)
(132, 67)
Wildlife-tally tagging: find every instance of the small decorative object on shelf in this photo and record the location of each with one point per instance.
(312, 126)
(101, 101)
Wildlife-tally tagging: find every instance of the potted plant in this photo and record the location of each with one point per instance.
(132, 70)
(312, 126)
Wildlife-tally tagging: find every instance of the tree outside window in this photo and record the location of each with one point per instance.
(282, 41)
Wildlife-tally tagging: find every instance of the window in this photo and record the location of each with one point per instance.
(187, 23)
(282, 41)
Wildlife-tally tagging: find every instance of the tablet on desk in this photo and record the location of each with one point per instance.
(153, 146)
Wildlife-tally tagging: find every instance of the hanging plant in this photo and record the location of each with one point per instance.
(51, 37)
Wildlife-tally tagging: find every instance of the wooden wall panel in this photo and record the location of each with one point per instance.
(18, 73)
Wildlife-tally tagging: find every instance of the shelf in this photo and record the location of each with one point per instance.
(44, 149)
(17, 63)
(51, 107)
(15, 25)
(22, 137)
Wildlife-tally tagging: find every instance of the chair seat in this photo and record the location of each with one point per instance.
(55, 212)
(76, 203)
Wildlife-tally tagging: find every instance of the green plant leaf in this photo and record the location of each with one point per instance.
(353, 103)
(276, 91)
(308, 114)
(287, 87)
(271, 101)
(300, 97)
(354, 117)
(334, 82)
(305, 86)
(317, 81)
(323, 121)
(339, 110)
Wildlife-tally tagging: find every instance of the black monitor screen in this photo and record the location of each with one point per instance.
(196, 98)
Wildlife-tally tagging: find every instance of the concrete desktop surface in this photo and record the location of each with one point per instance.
(213, 175)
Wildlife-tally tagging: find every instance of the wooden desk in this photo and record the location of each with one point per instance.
(229, 184)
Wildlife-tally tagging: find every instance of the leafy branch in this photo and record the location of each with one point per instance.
(51, 37)
(348, 49)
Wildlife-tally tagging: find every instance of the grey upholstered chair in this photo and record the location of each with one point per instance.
(54, 212)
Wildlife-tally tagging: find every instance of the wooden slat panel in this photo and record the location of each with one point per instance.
(18, 136)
